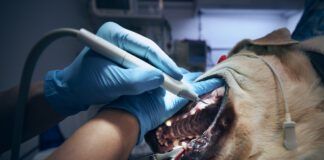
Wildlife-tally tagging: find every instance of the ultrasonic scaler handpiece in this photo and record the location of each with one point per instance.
(128, 60)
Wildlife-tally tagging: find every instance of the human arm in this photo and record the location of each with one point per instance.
(148, 110)
(94, 79)
(90, 79)
(110, 135)
(38, 115)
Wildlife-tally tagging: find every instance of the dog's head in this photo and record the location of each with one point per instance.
(244, 118)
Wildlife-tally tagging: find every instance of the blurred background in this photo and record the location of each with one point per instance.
(195, 33)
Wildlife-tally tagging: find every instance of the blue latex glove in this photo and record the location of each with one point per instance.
(154, 107)
(94, 79)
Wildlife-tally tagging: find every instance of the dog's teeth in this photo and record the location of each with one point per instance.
(160, 141)
(201, 107)
(220, 91)
(185, 116)
(184, 144)
(193, 111)
(214, 93)
(168, 123)
(176, 143)
(172, 134)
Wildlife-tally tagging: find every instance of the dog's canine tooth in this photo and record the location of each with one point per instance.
(220, 91)
(168, 123)
(193, 111)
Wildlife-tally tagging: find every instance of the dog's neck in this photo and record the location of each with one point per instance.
(304, 91)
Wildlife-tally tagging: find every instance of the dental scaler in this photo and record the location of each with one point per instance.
(128, 60)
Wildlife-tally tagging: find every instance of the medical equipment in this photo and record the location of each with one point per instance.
(174, 154)
(98, 44)
(289, 126)
(128, 60)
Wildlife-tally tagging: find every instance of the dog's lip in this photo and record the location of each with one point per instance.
(212, 108)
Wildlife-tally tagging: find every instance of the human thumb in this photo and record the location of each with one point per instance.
(206, 86)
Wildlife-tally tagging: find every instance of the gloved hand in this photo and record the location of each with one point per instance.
(94, 79)
(154, 107)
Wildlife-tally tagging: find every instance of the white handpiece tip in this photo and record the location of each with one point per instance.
(185, 93)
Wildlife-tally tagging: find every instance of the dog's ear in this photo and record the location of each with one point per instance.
(314, 49)
(280, 37)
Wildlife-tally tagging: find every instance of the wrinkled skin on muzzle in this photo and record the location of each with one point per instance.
(243, 119)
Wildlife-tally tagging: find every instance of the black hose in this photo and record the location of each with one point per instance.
(25, 81)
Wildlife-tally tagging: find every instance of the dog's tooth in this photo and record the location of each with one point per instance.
(160, 141)
(172, 135)
(190, 137)
(184, 144)
(211, 100)
(185, 116)
(176, 143)
(214, 93)
(166, 144)
(201, 107)
(168, 123)
(193, 111)
(220, 91)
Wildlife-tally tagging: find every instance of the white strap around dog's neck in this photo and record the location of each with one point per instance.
(290, 140)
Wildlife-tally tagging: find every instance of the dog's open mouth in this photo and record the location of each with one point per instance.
(200, 128)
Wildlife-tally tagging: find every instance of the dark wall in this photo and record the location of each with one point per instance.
(24, 22)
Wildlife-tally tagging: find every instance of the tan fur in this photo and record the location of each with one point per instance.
(259, 106)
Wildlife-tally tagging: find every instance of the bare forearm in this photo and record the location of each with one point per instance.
(110, 135)
(38, 116)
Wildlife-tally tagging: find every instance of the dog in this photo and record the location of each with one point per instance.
(261, 76)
